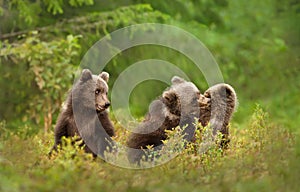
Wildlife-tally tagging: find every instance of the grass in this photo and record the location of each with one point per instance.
(262, 156)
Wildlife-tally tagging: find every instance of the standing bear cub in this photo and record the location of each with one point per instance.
(178, 106)
(85, 114)
(217, 105)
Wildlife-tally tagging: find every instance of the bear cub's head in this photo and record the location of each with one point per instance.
(219, 101)
(93, 90)
(181, 98)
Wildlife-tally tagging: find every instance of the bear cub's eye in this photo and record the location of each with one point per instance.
(97, 91)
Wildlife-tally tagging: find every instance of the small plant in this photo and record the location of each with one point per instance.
(259, 128)
(4, 132)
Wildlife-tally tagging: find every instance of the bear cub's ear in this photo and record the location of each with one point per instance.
(177, 80)
(170, 96)
(86, 75)
(105, 76)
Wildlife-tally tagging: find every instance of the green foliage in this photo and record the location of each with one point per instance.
(273, 166)
(24, 7)
(201, 11)
(25, 11)
(256, 44)
(50, 68)
(51, 64)
(242, 51)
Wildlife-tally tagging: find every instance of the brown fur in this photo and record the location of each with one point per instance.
(178, 106)
(217, 106)
(89, 95)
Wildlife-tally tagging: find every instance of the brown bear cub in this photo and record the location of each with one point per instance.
(178, 106)
(217, 106)
(85, 114)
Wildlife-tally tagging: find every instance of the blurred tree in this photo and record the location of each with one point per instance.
(256, 43)
(49, 71)
(23, 14)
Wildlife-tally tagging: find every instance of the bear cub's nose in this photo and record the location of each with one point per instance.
(107, 104)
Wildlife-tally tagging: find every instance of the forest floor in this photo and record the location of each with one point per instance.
(262, 156)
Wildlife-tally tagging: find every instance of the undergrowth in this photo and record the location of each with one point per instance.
(261, 156)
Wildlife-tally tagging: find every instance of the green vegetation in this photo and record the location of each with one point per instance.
(256, 44)
(263, 157)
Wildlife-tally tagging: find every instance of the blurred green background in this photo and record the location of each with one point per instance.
(256, 44)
